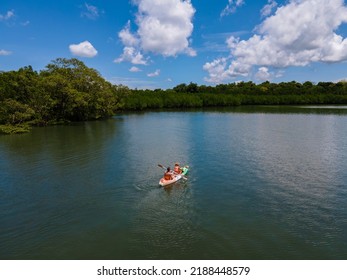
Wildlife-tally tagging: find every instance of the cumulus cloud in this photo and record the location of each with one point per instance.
(231, 7)
(84, 49)
(132, 55)
(298, 34)
(154, 74)
(127, 38)
(7, 16)
(263, 74)
(217, 70)
(4, 52)
(163, 27)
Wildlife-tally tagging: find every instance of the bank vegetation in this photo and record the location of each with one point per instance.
(68, 91)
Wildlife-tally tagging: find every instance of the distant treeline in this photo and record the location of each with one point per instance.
(235, 94)
(67, 90)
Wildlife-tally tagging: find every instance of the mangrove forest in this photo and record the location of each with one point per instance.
(69, 91)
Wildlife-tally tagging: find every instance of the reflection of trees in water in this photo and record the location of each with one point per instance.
(59, 143)
(57, 159)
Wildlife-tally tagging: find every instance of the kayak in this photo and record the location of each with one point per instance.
(176, 177)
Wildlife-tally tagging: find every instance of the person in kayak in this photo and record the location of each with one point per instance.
(177, 168)
(168, 174)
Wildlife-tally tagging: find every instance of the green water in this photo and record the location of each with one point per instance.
(265, 183)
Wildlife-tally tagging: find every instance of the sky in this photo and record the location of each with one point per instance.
(162, 43)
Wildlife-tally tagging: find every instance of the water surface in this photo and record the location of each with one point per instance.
(265, 183)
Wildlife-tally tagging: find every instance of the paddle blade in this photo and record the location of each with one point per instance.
(161, 166)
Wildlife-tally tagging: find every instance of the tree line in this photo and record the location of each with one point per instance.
(235, 94)
(67, 91)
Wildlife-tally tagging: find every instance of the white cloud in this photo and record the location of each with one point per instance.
(135, 69)
(154, 74)
(268, 8)
(84, 49)
(7, 16)
(263, 74)
(231, 7)
(163, 27)
(4, 52)
(90, 12)
(127, 38)
(217, 70)
(132, 55)
(298, 34)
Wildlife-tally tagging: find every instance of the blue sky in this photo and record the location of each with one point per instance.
(162, 43)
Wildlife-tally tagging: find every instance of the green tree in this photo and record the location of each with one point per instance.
(192, 88)
(180, 88)
(18, 85)
(13, 112)
(78, 92)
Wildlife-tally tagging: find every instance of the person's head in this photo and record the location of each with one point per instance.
(177, 164)
(168, 169)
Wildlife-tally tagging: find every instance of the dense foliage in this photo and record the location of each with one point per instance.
(244, 93)
(67, 90)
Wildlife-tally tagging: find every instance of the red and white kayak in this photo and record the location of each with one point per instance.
(175, 177)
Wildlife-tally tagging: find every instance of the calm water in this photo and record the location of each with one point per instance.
(265, 183)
